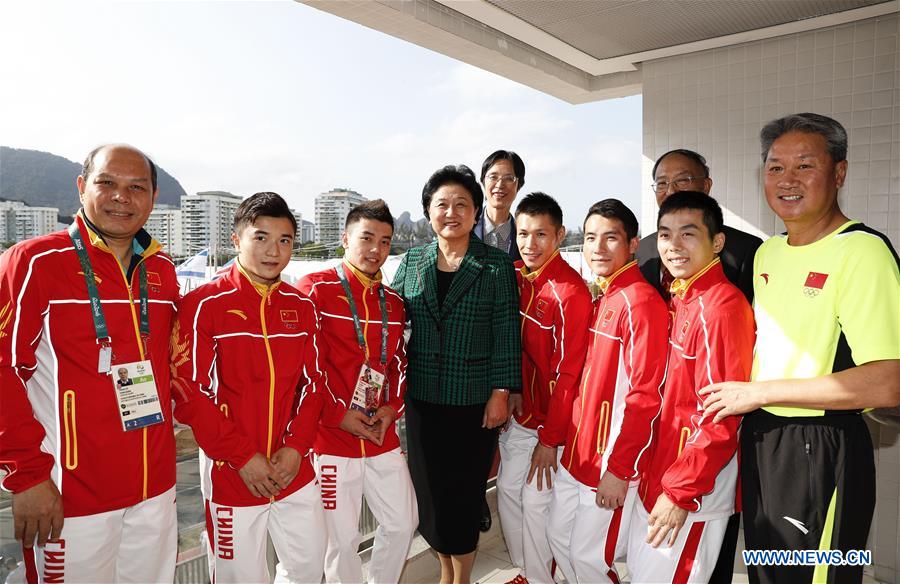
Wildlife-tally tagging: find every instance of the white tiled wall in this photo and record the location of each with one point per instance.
(715, 102)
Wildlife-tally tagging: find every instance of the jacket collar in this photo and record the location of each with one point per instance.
(690, 288)
(469, 270)
(243, 282)
(143, 245)
(622, 277)
(513, 250)
(364, 279)
(540, 275)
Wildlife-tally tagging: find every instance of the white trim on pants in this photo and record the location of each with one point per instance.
(385, 483)
(692, 558)
(133, 544)
(297, 529)
(523, 509)
(578, 531)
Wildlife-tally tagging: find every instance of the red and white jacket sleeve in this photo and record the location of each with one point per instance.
(644, 354)
(396, 376)
(332, 411)
(573, 314)
(20, 330)
(316, 401)
(724, 353)
(192, 359)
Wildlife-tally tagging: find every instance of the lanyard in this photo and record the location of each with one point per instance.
(96, 308)
(384, 319)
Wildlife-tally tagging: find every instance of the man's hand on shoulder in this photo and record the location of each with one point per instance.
(731, 398)
(38, 511)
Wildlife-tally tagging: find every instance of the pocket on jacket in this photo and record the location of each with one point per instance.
(70, 437)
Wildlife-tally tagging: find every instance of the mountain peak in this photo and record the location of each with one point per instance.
(43, 179)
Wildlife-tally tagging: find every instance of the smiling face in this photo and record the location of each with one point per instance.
(680, 173)
(606, 246)
(452, 212)
(264, 248)
(802, 180)
(117, 195)
(684, 243)
(501, 186)
(367, 244)
(538, 239)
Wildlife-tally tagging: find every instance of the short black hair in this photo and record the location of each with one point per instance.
(807, 123)
(377, 210)
(460, 175)
(88, 166)
(518, 165)
(694, 201)
(690, 154)
(538, 203)
(614, 209)
(265, 204)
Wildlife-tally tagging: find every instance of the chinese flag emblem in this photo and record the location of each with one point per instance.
(815, 280)
(608, 316)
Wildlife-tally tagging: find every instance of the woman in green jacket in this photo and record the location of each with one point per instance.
(464, 358)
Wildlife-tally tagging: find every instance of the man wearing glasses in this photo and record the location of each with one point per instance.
(502, 175)
(685, 170)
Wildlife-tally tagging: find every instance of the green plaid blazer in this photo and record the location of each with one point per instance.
(461, 351)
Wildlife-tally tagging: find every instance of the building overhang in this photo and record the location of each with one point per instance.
(589, 51)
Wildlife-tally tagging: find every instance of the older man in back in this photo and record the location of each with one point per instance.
(686, 170)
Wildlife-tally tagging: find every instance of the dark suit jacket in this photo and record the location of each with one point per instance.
(737, 260)
(463, 349)
(513, 250)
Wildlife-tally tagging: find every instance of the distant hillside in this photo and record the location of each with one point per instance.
(42, 179)
(408, 233)
(405, 220)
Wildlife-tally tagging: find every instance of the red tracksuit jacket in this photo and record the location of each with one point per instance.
(59, 417)
(247, 379)
(711, 340)
(620, 394)
(344, 356)
(555, 305)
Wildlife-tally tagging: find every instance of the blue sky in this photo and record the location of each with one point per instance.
(276, 95)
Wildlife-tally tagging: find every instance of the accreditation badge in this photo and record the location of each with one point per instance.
(136, 394)
(367, 393)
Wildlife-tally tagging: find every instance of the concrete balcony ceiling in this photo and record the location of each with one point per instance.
(588, 50)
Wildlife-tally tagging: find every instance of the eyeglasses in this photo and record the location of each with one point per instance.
(505, 178)
(682, 183)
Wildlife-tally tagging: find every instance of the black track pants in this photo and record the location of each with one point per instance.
(791, 469)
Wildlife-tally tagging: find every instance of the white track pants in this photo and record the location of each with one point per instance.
(385, 483)
(523, 509)
(691, 559)
(238, 539)
(134, 544)
(587, 539)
